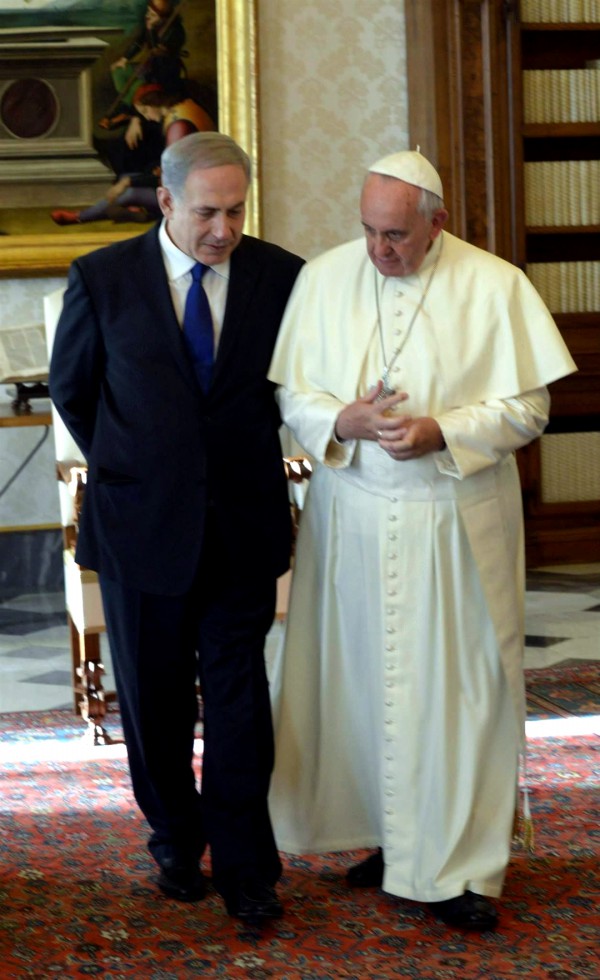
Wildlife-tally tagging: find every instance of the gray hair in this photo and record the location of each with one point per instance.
(428, 204)
(199, 151)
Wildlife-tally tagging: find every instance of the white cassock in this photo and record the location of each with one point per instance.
(398, 695)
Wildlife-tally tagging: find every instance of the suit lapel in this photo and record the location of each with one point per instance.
(242, 283)
(151, 270)
(244, 272)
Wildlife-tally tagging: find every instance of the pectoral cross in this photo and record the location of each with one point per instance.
(386, 390)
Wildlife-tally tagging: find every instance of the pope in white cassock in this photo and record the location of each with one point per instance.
(410, 370)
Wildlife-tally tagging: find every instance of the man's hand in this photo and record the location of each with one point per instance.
(366, 417)
(411, 438)
(117, 189)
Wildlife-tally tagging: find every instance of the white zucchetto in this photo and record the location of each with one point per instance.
(411, 167)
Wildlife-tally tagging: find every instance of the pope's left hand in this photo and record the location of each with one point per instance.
(411, 439)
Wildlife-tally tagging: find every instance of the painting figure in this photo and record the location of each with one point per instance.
(133, 196)
(154, 55)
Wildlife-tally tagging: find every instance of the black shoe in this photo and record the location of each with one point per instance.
(367, 874)
(253, 900)
(184, 882)
(468, 911)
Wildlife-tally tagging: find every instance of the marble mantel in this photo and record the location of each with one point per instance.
(47, 155)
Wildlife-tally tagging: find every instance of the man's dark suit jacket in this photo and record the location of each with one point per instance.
(161, 454)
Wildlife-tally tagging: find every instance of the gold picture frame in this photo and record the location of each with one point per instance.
(51, 254)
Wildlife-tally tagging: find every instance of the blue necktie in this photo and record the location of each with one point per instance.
(198, 327)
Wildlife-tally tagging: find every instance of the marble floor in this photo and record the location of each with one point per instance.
(562, 624)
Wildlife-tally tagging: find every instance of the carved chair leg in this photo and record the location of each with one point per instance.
(90, 700)
(75, 664)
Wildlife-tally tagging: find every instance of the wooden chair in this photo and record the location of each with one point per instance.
(85, 615)
(298, 470)
(83, 599)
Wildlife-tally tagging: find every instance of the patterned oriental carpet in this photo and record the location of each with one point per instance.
(77, 898)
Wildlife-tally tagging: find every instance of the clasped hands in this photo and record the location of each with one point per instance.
(400, 435)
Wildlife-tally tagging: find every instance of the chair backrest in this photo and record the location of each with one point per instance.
(66, 448)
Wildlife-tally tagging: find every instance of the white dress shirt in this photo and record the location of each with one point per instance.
(179, 266)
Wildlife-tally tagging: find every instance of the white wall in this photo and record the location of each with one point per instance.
(332, 100)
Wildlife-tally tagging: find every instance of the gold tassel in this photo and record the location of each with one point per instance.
(523, 830)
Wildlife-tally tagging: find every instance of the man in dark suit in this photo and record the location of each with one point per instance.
(186, 515)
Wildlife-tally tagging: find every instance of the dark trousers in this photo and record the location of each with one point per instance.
(161, 646)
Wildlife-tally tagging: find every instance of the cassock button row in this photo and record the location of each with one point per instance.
(391, 592)
(390, 629)
(390, 812)
(392, 517)
(392, 537)
(393, 574)
(392, 556)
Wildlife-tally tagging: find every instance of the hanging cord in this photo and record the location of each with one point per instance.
(524, 832)
(27, 459)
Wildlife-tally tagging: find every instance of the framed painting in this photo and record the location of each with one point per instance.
(73, 75)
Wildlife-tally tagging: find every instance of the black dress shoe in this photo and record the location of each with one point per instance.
(367, 874)
(468, 911)
(184, 882)
(253, 900)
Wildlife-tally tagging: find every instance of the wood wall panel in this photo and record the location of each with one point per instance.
(458, 111)
(464, 63)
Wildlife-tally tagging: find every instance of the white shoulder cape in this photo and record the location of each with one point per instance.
(496, 337)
